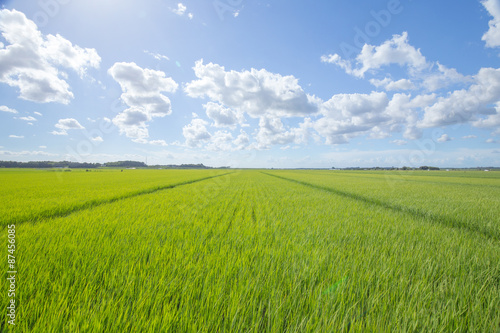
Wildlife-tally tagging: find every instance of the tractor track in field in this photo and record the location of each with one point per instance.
(415, 212)
(65, 211)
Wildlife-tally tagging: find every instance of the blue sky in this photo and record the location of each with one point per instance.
(252, 84)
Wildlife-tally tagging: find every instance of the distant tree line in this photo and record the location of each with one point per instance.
(391, 168)
(183, 166)
(428, 168)
(126, 164)
(49, 164)
(83, 165)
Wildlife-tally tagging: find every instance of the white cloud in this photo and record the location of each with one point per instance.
(471, 104)
(258, 93)
(273, 132)
(220, 141)
(404, 157)
(181, 10)
(390, 85)
(196, 132)
(29, 118)
(157, 56)
(42, 147)
(491, 121)
(394, 51)
(30, 61)
(7, 109)
(469, 137)
(491, 141)
(16, 136)
(158, 143)
(242, 140)
(61, 52)
(222, 117)
(26, 153)
(61, 132)
(132, 123)
(427, 75)
(443, 78)
(143, 94)
(97, 139)
(69, 123)
(462, 105)
(444, 138)
(255, 92)
(38, 114)
(66, 124)
(348, 115)
(400, 142)
(492, 36)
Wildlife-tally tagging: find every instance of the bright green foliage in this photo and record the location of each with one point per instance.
(31, 195)
(469, 200)
(268, 251)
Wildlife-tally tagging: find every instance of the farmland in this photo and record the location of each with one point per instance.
(253, 250)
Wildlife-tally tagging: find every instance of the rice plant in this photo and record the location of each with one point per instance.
(266, 251)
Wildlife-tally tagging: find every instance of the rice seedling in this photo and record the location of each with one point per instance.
(266, 251)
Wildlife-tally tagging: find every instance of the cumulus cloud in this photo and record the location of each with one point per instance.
(157, 56)
(143, 94)
(196, 132)
(220, 140)
(181, 9)
(242, 140)
(4, 108)
(222, 117)
(29, 118)
(390, 85)
(26, 153)
(424, 74)
(158, 143)
(442, 77)
(394, 51)
(31, 61)
(470, 102)
(255, 92)
(461, 106)
(348, 115)
(66, 124)
(272, 132)
(491, 121)
(444, 138)
(16, 136)
(377, 115)
(492, 36)
(400, 142)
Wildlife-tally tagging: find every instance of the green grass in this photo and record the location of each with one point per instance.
(262, 251)
(32, 195)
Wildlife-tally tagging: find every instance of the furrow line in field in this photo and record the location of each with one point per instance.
(65, 211)
(415, 212)
(404, 178)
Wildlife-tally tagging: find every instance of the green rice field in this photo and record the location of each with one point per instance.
(251, 250)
